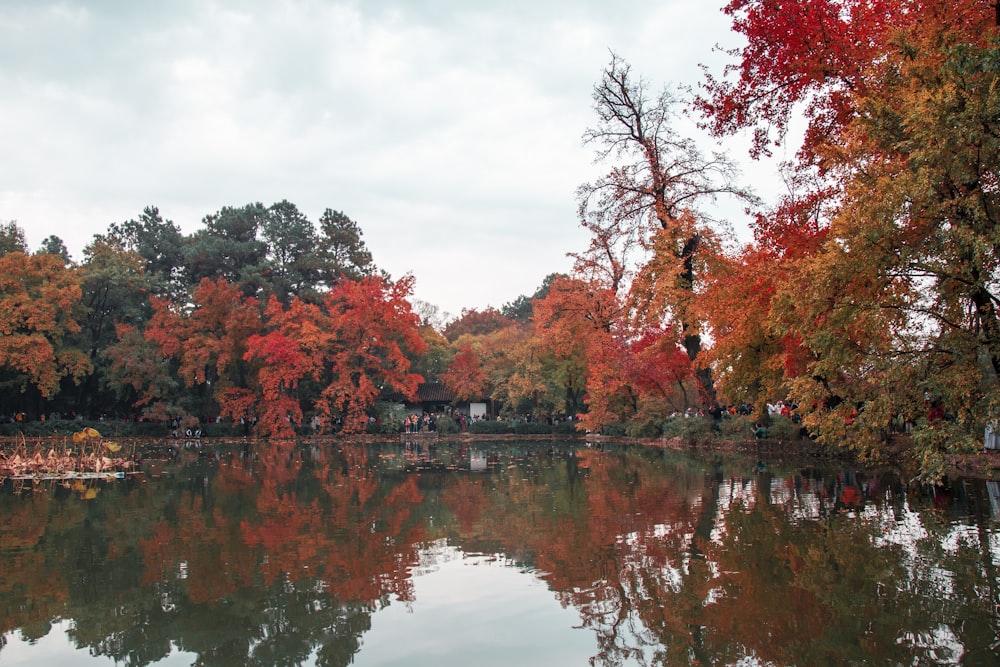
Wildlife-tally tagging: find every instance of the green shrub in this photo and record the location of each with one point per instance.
(738, 427)
(532, 428)
(383, 427)
(616, 430)
(565, 428)
(391, 416)
(490, 427)
(691, 429)
(644, 429)
(66, 427)
(151, 429)
(27, 429)
(783, 428)
(447, 425)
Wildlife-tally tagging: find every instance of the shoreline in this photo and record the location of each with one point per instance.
(980, 465)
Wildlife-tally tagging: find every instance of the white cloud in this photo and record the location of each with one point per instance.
(450, 131)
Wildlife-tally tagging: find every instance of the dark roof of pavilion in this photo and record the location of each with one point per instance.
(427, 392)
(434, 392)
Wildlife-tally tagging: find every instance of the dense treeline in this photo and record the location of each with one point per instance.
(174, 327)
(866, 299)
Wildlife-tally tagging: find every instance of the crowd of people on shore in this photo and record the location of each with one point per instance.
(414, 423)
(427, 422)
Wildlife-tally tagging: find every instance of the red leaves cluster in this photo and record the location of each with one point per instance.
(818, 55)
(628, 371)
(372, 330)
(890, 200)
(796, 52)
(465, 376)
(353, 345)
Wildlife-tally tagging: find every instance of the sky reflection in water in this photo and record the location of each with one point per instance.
(475, 610)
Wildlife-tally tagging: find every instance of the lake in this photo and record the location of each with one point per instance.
(500, 553)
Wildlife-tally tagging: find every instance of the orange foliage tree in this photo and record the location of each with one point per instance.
(350, 348)
(810, 54)
(465, 376)
(373, 329)
(756, 350)
(208, 341)
(646, 234)
(894, 295)
(575, 320)
(476, 322)
(39, 298)
(629, 374)
(137, 363)
(292, 349)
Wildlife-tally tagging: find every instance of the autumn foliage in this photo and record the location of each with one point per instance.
(350, 346)
(253, 360)
(879, 292)
(38, 298)
(465, 376)
(867, 292)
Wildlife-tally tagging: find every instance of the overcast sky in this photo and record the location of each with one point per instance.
(449, 130)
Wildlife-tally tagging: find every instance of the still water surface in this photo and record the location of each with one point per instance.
(497, 554)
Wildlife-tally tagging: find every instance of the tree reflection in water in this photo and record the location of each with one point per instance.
(280, 554)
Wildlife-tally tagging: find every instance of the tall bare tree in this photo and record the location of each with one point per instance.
(643, 213)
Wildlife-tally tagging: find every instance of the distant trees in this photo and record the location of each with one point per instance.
(53, 245)
(159, 243)
(12, 238)
(341, 252)
(465, 376)
(277, 327)
(476, 322)
(260, 316)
